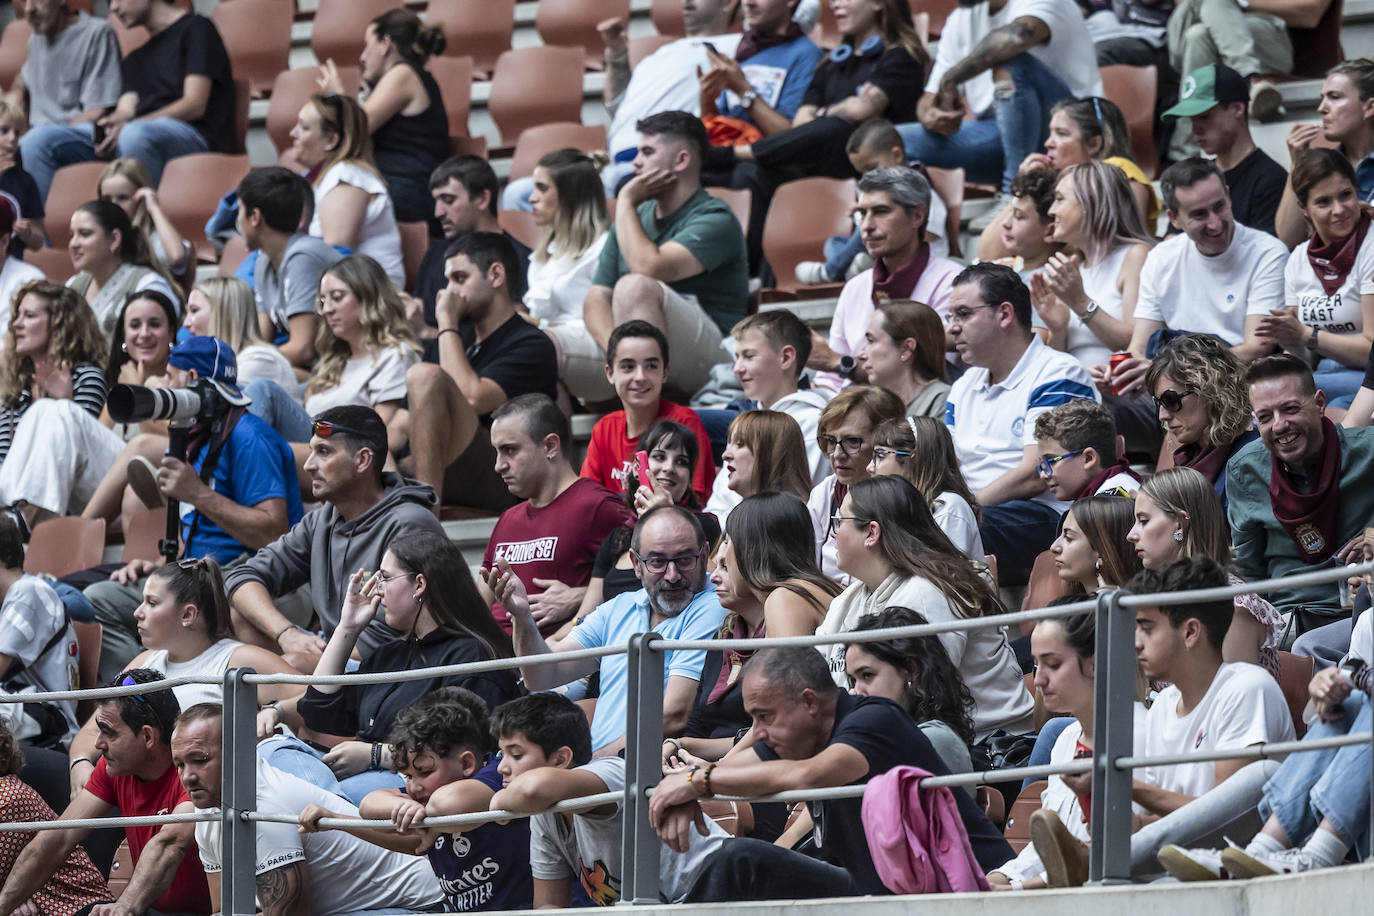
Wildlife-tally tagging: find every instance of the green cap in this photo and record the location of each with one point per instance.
(1207, 87)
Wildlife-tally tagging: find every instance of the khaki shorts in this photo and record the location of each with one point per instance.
(693, 341)
(581, 363)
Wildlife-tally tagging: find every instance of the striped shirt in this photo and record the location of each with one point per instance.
(88, 390)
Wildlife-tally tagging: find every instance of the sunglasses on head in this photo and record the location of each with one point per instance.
(327, 428)
(1172, 400)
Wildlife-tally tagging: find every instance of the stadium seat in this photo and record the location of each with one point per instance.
(243, 97)
(72, 186)
(802, 216)
(232, 255)
(739, 200)
(1017, 830)
(573, 23)
(468, 146)
(56, 263)
(536, 141)
(520, 225)
(1295, 674)
(414, 244)
(257, 35)
(337, 32)
(14, 50)
(142, 531)
(121, 870)
(88, 636)
(64, 545)
(533, 86)
(645, 45)
(454, 76)
(667, 17)
(1044, 586)
(480, 29)
(191, 189)
(1133, 89)
(290, 91)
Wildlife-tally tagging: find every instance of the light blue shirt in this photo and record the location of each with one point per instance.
(613, 623)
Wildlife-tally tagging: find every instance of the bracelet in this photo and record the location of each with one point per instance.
(1016, 883)
(277, 639)
(275, 704)
(677, 747)
(376, 756)
(706, 779)
(444, 331)
(73, 764)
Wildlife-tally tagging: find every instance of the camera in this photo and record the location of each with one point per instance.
(201, 402)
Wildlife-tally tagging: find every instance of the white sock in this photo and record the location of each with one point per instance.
(1326, 848)
(1263, 843)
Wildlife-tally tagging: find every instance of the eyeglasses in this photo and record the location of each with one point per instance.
(837, 518)
(1172, 400)
(686, 563)
(850, 445)
(879, 453)
(964, 313)
(327, 428)
(383, 580)
(1046, 465)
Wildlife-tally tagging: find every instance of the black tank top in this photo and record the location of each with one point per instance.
(408, 148)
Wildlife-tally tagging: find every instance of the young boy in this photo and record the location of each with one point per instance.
(443, 747)
(1028, 230)
(637, 367)
(873, 144)
(17, 184)
(771, 349)
(1079, 451)
(546, 757)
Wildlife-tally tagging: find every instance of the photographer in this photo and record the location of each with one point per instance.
(251, 498)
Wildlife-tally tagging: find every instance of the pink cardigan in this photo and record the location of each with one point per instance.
(917, 839)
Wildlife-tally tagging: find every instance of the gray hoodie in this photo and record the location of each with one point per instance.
(324, 550)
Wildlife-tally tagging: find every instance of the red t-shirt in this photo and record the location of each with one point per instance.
(75, 884)
(611, 453)
(559, 541)
(135, 798)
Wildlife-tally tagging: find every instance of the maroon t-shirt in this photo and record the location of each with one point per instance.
(558, 541)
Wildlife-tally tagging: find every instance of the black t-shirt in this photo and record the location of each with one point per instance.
(1256, 185)
(894, 71)
(517, 356)
(19, 186)
(429, 279)
(887, 737)
(158, 70)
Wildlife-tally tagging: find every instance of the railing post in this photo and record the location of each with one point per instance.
(643, 770)
(239, 794)
(1113, 737)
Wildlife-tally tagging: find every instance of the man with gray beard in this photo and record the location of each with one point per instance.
(668, 550)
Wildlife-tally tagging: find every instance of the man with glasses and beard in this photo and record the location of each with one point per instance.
(668, 550)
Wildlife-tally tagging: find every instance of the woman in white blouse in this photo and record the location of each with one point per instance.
(352, 204)
(569, 207)
(921, 450)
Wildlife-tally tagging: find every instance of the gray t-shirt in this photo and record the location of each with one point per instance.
(77, 71)
(292, 289)
(589, 850)
(30, 618)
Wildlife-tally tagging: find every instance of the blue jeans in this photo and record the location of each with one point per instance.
(1338, 382)
(275, 407)
(976, 148)
(153, 142)
(840, 252)
(294, 756)
(1044, 743)
(1331, 784)
(1015, 532)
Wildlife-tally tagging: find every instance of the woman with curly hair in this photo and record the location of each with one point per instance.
(52, 389)
(1198, 386)
(365, 345)
(921, 450)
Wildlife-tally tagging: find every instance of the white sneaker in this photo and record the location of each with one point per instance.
(1266, 102)
(1244, 864)
(1192, 864)
(990, 215)
(812, 273)
(862, 261)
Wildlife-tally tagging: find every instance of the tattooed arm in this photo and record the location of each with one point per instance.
(284, 891)
(1001, 44)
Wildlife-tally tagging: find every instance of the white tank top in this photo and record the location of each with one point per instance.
(213, 662)
(1099, 282)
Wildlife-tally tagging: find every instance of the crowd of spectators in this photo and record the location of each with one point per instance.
(1123, 390)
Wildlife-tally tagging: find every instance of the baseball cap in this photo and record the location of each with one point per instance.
(1207, 87)
(211, 359)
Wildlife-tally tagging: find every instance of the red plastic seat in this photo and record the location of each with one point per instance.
(535, 142)
(480, 29)
(667, 17)
(290, 91)
(802, 216)
(337, 32)
(56, 264)
(1134, 89)
(257, 35)
(191, 189)
(232, 255)
(573, 23)
(645, 45)
(414, 244)
(454, 76)
(72, 186)
(533, 86)
(14, 50)
(62, 546)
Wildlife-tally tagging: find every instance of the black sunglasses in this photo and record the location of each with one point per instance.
(1172, 400)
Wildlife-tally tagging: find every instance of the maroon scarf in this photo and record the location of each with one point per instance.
(901, 282)
(1332, 263)
(1312, 519)
(1209, 461)
(756, 40)
(1121, 467)
(733, 663)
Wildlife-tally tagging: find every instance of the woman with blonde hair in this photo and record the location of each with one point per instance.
(921, 450)
(365, 345)
(1177, 515)
(352, 204)
(904, 352)
(125, 183)
(224, 307)
(569, 207)
(764, 451)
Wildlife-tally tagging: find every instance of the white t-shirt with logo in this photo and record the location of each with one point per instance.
(1243, 706)
(346, 874)
(1188, 291)
(1340, 313)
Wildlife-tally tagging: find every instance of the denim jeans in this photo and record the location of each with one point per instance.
(278, 409)
(840, 252)
(153, 142)
(1331, 784)
(1338, 382)
(976, 148)
(1023, 111)
(294, 756)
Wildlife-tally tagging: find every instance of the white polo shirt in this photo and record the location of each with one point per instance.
(992, 424)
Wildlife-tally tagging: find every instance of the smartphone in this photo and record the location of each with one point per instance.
(642, 458)
(98, 132)
(712, 48)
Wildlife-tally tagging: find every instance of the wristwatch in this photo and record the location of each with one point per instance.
(1312, 339)
(1090, 312)
(749, 98)
(847, 366)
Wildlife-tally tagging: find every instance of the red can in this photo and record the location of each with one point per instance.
(1116, 360)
